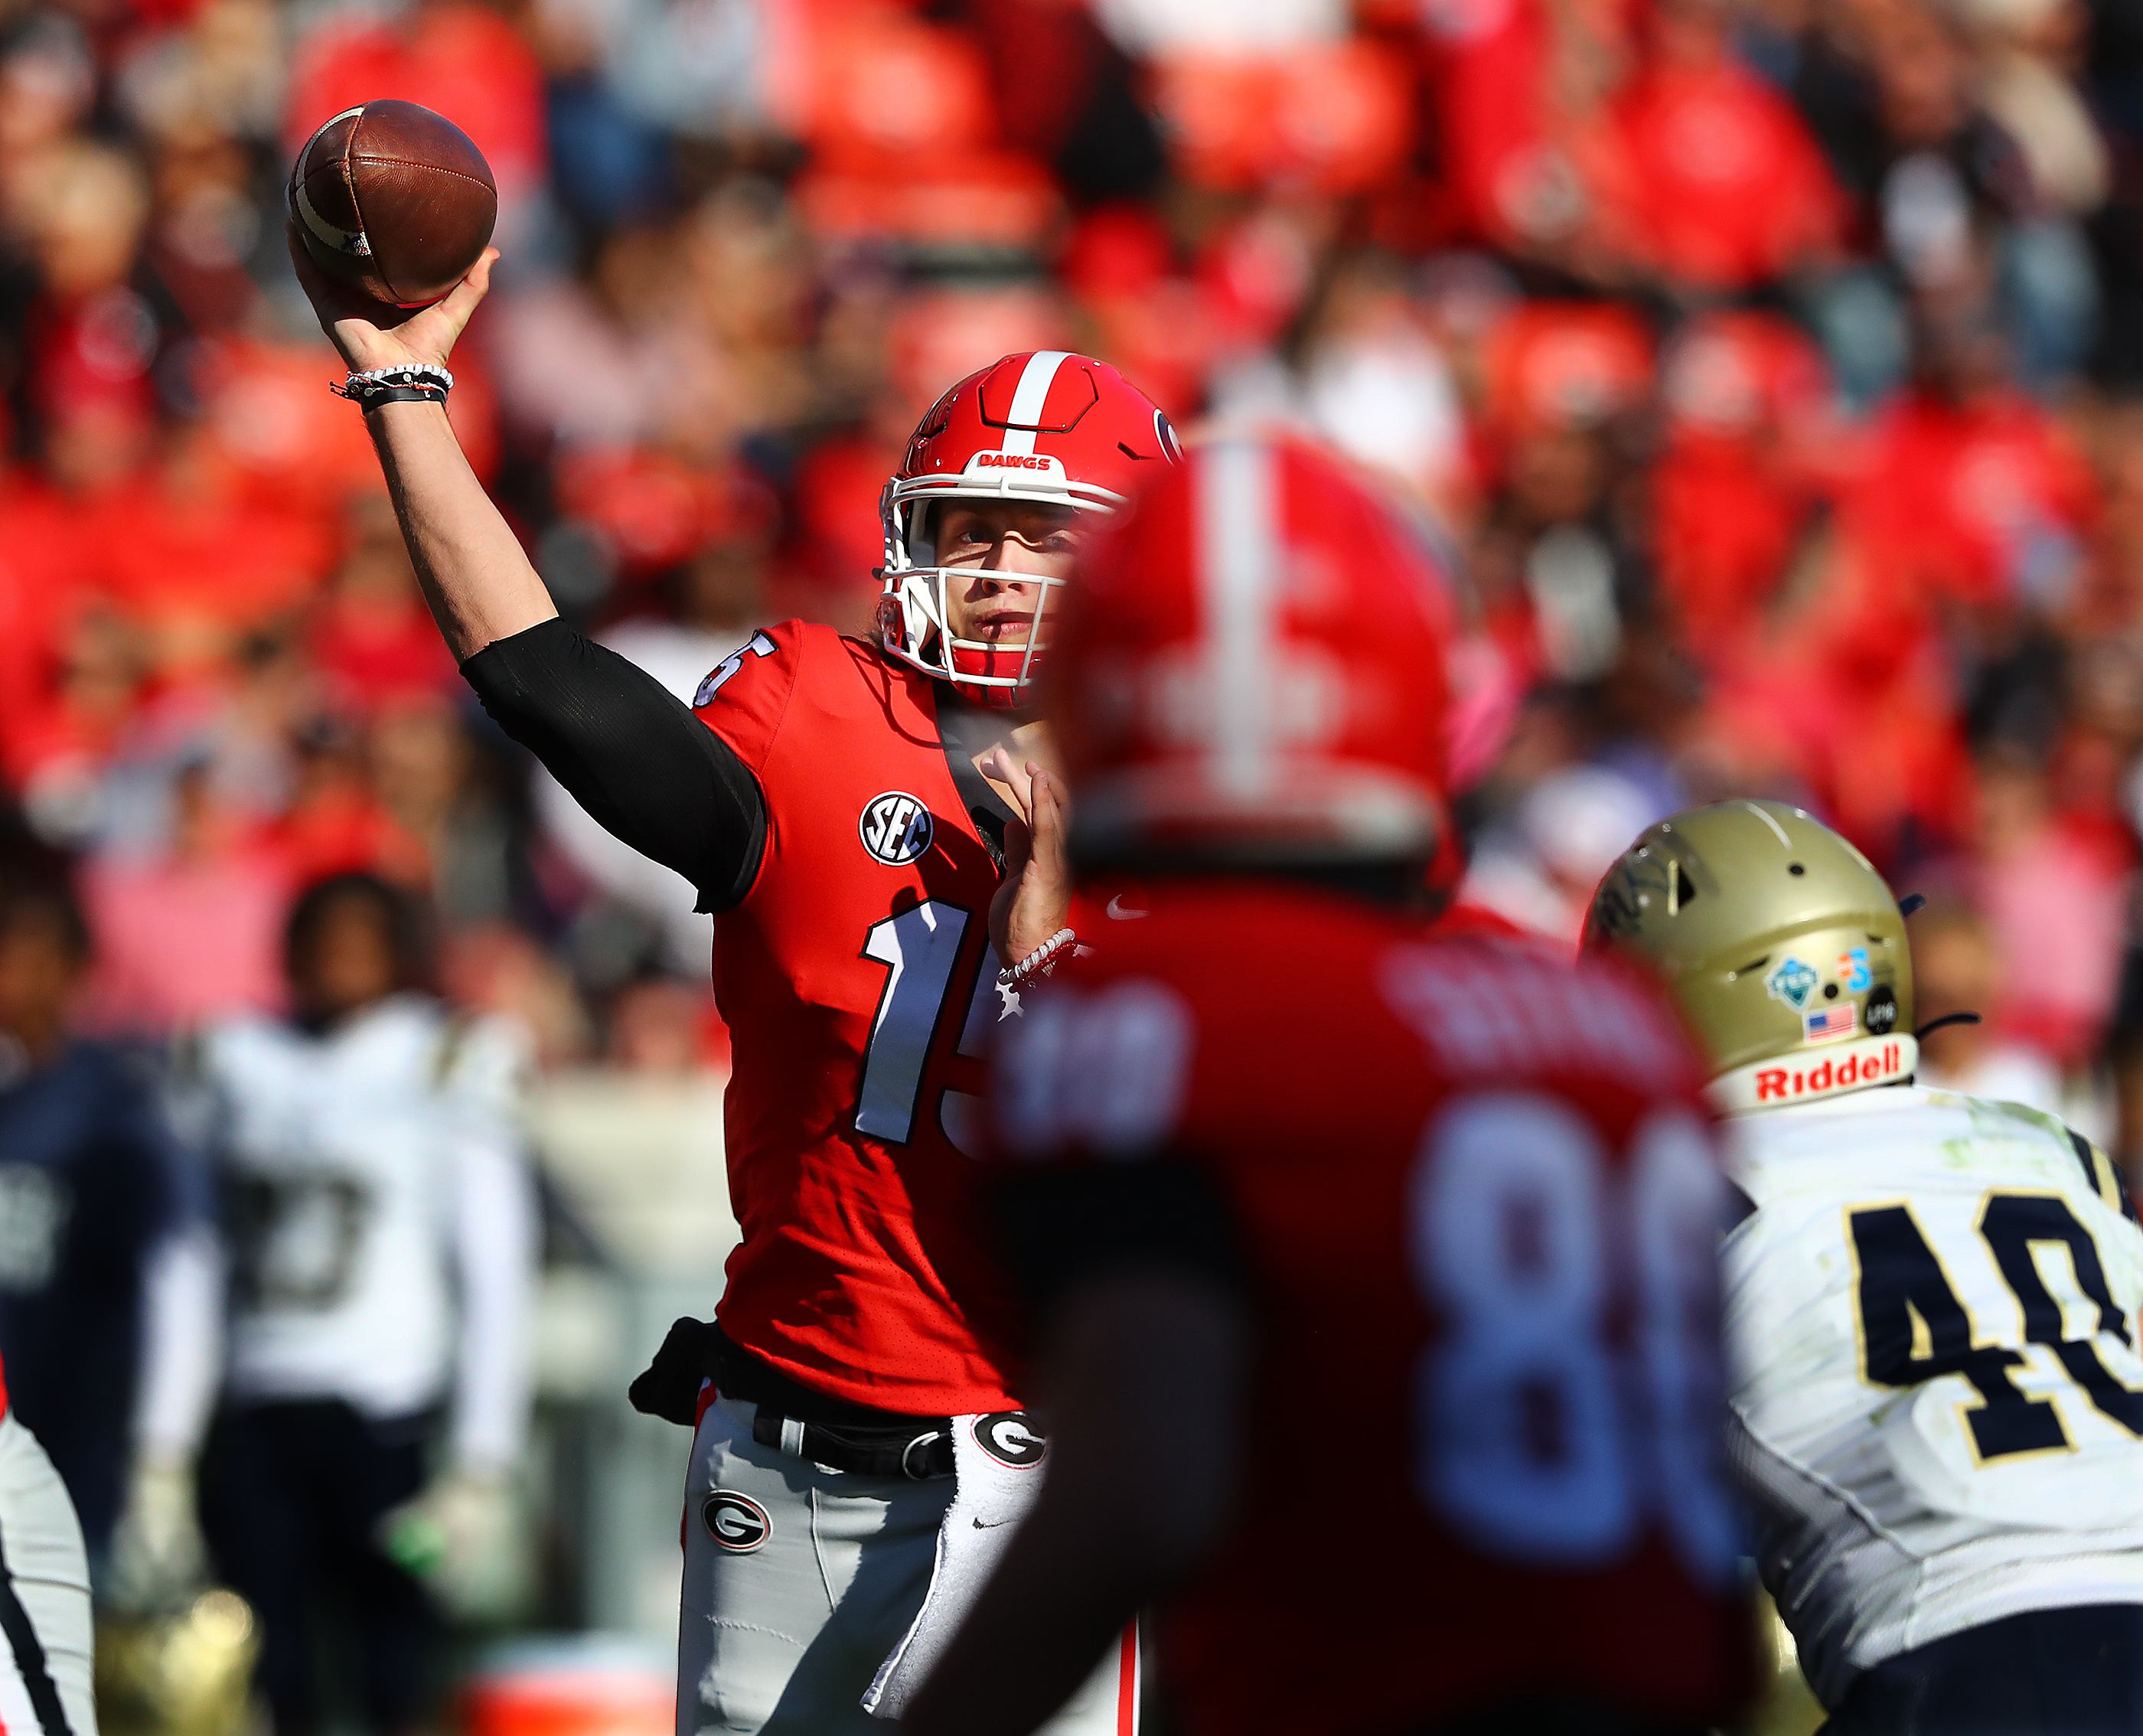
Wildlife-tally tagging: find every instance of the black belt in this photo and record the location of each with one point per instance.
(917, 1454)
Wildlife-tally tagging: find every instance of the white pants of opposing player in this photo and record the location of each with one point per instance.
(44, 1597)
(783, 1627)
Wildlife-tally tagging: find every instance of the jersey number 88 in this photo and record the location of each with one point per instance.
(1557, 1422)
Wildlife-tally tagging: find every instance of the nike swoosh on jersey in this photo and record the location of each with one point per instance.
(1118, 913)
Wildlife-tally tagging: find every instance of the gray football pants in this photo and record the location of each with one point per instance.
(798, 1581)
(44, 1597)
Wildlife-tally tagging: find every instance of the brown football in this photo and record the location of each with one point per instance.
(394, 199)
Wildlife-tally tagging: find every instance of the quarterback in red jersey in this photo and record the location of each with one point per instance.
(857, 969)
(1375, 1269)
(830, 801)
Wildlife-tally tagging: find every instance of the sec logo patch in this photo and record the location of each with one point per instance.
(895, 828)
(1009, 1438)
(736, 1522)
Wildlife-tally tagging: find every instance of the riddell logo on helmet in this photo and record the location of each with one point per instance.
(1782, 1084)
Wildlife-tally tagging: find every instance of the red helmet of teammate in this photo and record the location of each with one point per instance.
(1251, 670)
(1050, 428)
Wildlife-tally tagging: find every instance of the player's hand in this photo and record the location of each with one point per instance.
(462, 1537)
(372, 335)
(157, 1558)
(1035, 900)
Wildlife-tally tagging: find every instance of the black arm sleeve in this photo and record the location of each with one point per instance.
(629, 752)
(1059, 1227)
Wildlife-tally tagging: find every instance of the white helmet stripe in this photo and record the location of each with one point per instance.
(1236, 543)
(1778, 831)
(1032, 393)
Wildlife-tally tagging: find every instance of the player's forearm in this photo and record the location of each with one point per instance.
(181, 1344)
(1140, 1363)
(1058, 1600)
(496, 1237)
(476, 578)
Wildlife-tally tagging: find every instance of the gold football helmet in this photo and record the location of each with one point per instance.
(181, 1672)
(1783, 947)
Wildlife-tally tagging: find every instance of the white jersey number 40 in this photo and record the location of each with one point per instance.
(1914, 1329)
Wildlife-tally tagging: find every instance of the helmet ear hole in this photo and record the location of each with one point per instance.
(1685, 889)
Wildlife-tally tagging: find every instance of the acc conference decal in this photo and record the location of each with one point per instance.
(736, 1522)
(1009, 1438)
(1791, 980)
(895, 828)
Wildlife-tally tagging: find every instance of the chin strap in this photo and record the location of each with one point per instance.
(1828, 1070)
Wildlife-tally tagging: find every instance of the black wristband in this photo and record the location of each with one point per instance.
(419, 382)
(370, 401)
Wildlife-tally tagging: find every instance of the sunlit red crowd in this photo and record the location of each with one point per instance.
(1765, 367)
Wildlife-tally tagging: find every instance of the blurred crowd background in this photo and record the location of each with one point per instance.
(1770, 372)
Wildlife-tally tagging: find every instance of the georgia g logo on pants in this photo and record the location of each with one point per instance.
(1010, 1438)
(736, 1522)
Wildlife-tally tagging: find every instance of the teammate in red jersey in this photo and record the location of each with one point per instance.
(1375, 1269)
(828, 802)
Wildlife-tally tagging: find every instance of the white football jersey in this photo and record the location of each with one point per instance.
(1938, 1399)
(380, 1216)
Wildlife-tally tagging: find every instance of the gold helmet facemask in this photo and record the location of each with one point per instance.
(1783, 948)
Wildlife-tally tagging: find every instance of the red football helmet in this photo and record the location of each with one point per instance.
(1048, 427)
(1251, 669)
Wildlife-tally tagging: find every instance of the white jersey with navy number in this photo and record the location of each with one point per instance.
(1938, 1400)
(381, 1221)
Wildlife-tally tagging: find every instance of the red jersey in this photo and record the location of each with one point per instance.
(1475, 1205)
(858, 983)
(1720, 185)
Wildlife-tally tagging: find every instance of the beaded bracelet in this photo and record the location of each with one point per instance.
(412, 383)
(1040, 962)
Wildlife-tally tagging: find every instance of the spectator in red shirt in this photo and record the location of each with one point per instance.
(1971, 491)
(190, 932)
(1733, 491)
(1718, 184)
(372, 637)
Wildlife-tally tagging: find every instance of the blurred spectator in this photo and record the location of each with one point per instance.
(1370, 380)
(373, 638)
(1769, 370)
(1541, 870)
(1956, 970)
(381, 1235)
(108, 1320)
(661, 1027)
(499, 970)
(187, 930)
(2057, 908)
(1942, 186)
(1714, 184)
